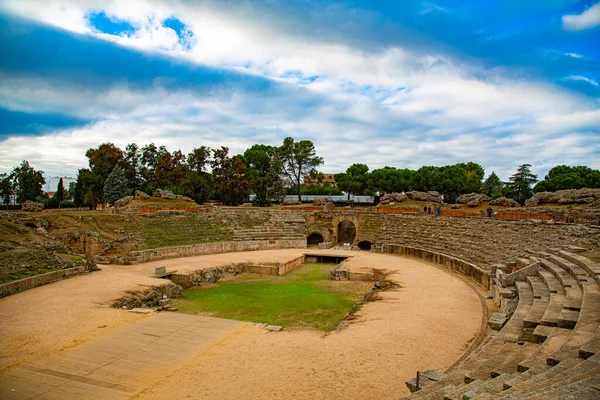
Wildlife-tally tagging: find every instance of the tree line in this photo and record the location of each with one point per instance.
(263, 170)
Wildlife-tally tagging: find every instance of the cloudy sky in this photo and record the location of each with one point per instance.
(399, 83)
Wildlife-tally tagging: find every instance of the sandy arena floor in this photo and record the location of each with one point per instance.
(426, 324)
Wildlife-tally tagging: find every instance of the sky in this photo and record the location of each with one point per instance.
(385, 83)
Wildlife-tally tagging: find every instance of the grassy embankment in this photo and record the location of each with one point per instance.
(303, 298)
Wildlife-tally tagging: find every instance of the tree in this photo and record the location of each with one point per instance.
(133, 167)
(197, 182)
(27, 182)
(564, 177)
(354, 180)
(230, 178)
(115, 186)
(72, 190)
(389, 180)
(519, 185)
(298, 160)
(59, 195)
(492, 186)
(6, 189)
(264, 170)
(102, 161)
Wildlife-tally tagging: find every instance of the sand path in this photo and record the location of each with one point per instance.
(428, 323)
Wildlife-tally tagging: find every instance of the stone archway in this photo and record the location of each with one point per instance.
(346, 232)
(314, 239)
(365, 245)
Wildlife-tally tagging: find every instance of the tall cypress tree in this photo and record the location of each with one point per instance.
(521, 183)
(115, 186)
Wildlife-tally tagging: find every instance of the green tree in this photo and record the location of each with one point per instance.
(298, 160)
(59, 195)
(230, 179)
(115, 186)
(6, 189)
(520, 184)
(389, 180)
(102, 161)
(564, 177)
(492, 186)
(264, 170)
(27, 182)
(197, 182)
(132, 166)
(354, 180)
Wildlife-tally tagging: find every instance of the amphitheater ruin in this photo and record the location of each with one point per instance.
(483, 308)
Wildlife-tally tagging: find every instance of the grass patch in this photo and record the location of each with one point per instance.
(303, 298)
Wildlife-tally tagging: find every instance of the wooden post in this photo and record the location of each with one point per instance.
(418, 381)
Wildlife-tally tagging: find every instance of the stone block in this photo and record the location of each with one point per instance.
(160, 270)
(497, 321)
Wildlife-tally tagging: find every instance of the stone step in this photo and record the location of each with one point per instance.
(541, 298)
(568, 319)
(569, 284)
(576, 373)
(541, 333)
(555, 307)
(536, 362)
(512, 361)
(576, 271)
(519, 383)
(551, 282)
(591, 267)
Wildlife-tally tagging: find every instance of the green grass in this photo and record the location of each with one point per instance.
(304, 298)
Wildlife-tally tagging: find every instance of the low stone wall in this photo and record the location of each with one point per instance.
(471, 271)
(39, 280)
(284, 268)
(215, 248)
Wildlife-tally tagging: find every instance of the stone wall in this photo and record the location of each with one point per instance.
(284, 268)
(471, 271)
(39, 280)
(214, 248)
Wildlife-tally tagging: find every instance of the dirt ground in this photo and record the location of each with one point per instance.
(428, 323)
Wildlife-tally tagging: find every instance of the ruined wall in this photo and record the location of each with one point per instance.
(214, 248)
(462, 267)
(39, 280)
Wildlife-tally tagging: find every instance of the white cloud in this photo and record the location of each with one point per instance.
(583, 78)
(590, 18)
(389, 106)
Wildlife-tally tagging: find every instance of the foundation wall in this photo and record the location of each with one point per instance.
(290, 265)
(39, 280)
(215, 248)
(473, 272)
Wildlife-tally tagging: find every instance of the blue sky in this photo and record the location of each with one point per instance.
(398, 83)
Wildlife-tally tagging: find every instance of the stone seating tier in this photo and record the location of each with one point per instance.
(550, 347)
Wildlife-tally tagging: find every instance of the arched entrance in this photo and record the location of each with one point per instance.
(346, 232)
(314, 239)
(365, 245)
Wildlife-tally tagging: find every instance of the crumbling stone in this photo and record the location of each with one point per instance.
(329, 206)
(472, 199)
(32, 206)
(505, 202)
(393, 198)
(430, 197)
(123, 201)
(139, 195)
(320, 202)
(573, 196)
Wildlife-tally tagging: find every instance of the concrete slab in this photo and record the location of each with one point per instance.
(120, 364)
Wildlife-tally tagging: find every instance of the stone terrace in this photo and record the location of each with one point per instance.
(550, 347)
(477, 240)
